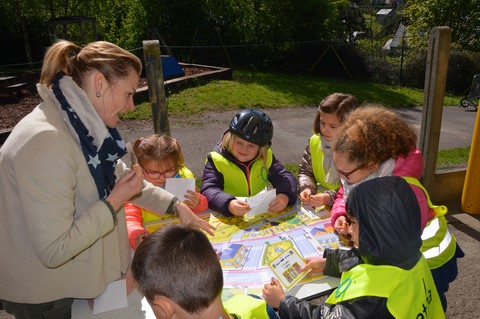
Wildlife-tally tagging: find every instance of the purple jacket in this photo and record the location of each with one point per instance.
(212, 182)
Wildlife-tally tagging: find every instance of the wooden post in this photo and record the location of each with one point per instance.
(434, 92)
(156, 86)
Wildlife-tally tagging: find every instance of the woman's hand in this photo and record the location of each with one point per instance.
(192, 199)
(273, 293)
(189, 218)
(305, 196)
(238, 207)
(126, 187)
(315, 264)
(341, 225)
(278, 204)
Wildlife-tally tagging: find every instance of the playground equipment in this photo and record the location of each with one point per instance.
(473, 97)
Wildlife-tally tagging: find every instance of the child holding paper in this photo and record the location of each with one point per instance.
(243, 164)
(160, 157)
(385, 275)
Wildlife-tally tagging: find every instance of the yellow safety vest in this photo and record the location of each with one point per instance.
(317, 162)
(149, 216)
(409, 293)
(438, 243)
(235, 182)
(246, 307)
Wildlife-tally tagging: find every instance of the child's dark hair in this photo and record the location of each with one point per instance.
(338, 103)
(178, 262)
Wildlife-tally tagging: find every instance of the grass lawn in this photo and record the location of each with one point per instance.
(272, 90)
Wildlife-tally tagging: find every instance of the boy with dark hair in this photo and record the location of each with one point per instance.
(180, 275)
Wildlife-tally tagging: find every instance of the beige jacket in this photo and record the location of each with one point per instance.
(57, 240)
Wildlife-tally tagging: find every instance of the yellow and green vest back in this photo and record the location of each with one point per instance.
(409, 293)
(246, 307)
(235, 182)
(316, 154)
(438, 243)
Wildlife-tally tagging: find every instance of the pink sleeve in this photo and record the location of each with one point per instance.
(134, 219)
(338, 208)
(202, 204)
(410, 165)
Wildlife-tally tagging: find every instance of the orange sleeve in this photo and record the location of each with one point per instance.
(134, 219)
(202, 204)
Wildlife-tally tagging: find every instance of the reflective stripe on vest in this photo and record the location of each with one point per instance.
(317, 162)
(246, 307)
(438, 243)
(409, 293)
(149, 216)
(234, 179)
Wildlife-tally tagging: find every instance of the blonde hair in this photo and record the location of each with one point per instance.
(158, 147)
(109, 59)
(374, 134)
(229, 138)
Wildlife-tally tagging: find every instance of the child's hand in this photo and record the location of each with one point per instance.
(341, 225)
(191, 199)
(238, 207)
(273, 293)
(319, 199)
(305, 196)
(140, 237)
(316, 264)
(278, 204)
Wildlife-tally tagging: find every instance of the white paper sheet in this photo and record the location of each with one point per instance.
(180, 186)
(114, 297)
(259, 203)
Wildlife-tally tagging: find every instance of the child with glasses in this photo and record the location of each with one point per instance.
(318, 179)
(375, 142)
(243, 165)
(160, 157)
(372, 142)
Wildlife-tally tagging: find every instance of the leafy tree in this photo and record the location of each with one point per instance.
(462, 16)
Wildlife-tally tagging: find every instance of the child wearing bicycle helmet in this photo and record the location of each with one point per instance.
(243, 164)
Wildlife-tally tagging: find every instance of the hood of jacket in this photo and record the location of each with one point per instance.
(388, 216)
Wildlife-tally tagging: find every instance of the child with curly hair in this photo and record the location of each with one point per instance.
(375, 142)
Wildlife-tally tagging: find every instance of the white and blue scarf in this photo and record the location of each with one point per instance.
(101, 160)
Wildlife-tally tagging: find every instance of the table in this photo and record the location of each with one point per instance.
(245, 248)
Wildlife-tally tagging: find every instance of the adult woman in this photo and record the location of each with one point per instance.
(62, 188)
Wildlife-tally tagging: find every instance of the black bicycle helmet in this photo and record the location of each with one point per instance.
(253, 126)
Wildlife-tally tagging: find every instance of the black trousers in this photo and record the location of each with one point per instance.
(58, 309)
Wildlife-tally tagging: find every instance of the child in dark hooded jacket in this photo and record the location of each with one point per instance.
(385, 275)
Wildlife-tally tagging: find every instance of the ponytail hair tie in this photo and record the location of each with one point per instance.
(142, 141)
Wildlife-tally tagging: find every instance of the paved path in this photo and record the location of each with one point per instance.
(292, 128)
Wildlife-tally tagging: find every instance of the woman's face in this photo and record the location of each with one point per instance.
(157, 172)
(244, 151)
(116, 98)
(349, 171)
(329, 124)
